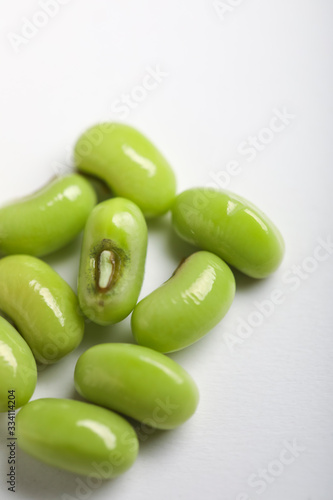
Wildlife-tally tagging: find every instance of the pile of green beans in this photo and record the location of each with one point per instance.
(118, 380)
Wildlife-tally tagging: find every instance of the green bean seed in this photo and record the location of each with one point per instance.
(18, 371)
(230, 226)
(138, 382)
(112, 261)
(130, 164)
(77, 437)
(47, 220)
(187, 306)
(42, 305)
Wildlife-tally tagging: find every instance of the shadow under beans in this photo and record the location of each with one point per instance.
(102, 190)
(149, 437)
(158, 225)
(192, 351)
(70, 250)
(179, 248)
(48, 370)
(97, 334)
(244, 282)
(39, 481)
(175, 247)
(77, 397)
(7, 318)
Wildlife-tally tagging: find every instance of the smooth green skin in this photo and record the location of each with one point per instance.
(138, 382)
(78, 437)
(117, 225)
(185, 307)
(47, 220)
(231, 227)
(42, 305)
(130, 164)
(18, 370)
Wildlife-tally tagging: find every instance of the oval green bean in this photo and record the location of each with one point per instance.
(112, 261)
(48, 219)
(230, 226)
(187, 306)
(130, 164)
(18, 371)
(43, 306)
(77, 437)
(138, 382)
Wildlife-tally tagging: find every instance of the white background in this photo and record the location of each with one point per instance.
(225, 76)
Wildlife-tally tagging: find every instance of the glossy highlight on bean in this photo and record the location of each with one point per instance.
(138, 382)
(130, 164)
(231, 227)
(42, 305)
(18, 370)
(112, 261)
(77, 437)
(47, 220)
(187, 306)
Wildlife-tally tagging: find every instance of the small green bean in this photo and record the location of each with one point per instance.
(130, 164)
(43, 306)
(187, 306)
(231, 227)
(112, 261)
(77, 437)
(47, 220)
(138, 382)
